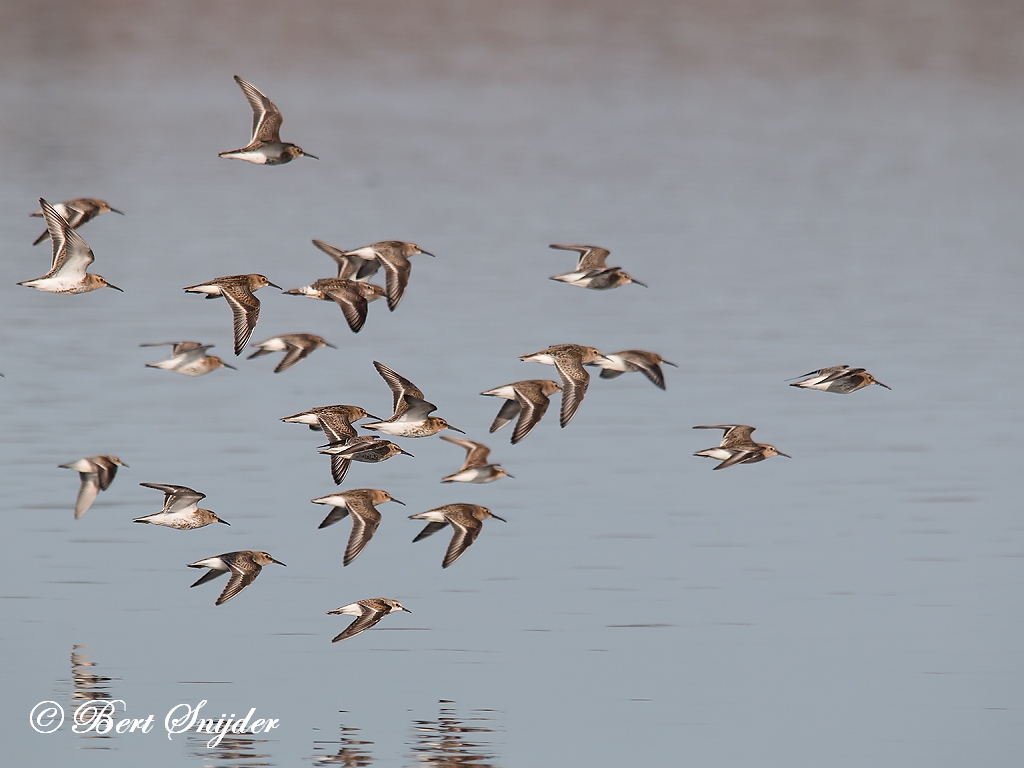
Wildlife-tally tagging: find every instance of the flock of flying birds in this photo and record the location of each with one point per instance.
(526, 401)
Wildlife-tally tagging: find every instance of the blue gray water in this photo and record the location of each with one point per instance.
(801, 184)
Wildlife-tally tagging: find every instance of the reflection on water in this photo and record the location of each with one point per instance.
(87, 685)
(450, 741)
(233, 751)
(351, 752)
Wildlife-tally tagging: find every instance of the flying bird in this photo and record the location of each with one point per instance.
(737, 447)
(71, 258)
(475, 469)
(466, 521)
(592, 271)
(181, 509)
(76, 213)
(568, 360)
(265, 147)
(363, 263)
(351, 296)
(369, 612)
(615, 364)
(841, 379)
(411, 417)
(296, 346)
(527, 400)
(360, 505)
(188, 358)
(238, 291)
(96, 474)
(244, 567)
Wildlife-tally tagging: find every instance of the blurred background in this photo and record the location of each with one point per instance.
(801, 184)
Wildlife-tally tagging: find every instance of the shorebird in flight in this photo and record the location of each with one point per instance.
(265, 147)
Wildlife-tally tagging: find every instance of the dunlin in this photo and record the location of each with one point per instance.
(568, 360)
(353, 297)
(369, 611)
(592, 271)
(648, 363)
(238, 291)
(475, 469)
(244, 567)
(526, 399)
(76, 213)
(370, 450)
(335, 420)
(265, 147)
(841, 379)
(188, 358)
(363, 262)
(737, 447)
(181, 509)
(360, 504)
(296, 346)
(411, 417)
(71, 258)
(466, 521)
(96, 474)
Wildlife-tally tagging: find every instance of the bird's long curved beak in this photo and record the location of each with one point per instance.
(328, 344)
(402, 450)
(227, 365)
(508, 475)
(306, 154)
(398, 502)
(114, 210)
(277, 561)
(640, 284)
(406, 609)
(456, 429)
(371, 416)
(499, 518)
(780, 453)
(669, 362)
(124, 465)
(274, 285)
(114, 287)
(883, 385)
(427, 253)
(223, 521)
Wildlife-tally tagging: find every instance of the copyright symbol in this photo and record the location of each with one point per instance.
(46, 717)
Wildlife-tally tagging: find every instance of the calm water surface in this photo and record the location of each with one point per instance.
(802, 184)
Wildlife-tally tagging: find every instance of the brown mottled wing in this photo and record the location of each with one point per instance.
(337, 428)
(353, 306)
(365, 520)
(266, 118)
(292, 355)
(346, 264)
(365, 620)
(243, 573)
(591, 257)
(105, 470)
(400, 386)
(735, 434)
(476, 453)
(651, 370)
(176, 497)
(465, 530)
(397, 269)
(574, 386)
(429, 530)
(339, 468)
(245, 309)
(70, 251)
(533, 404)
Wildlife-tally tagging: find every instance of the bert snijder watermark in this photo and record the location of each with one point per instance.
(100, 716)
